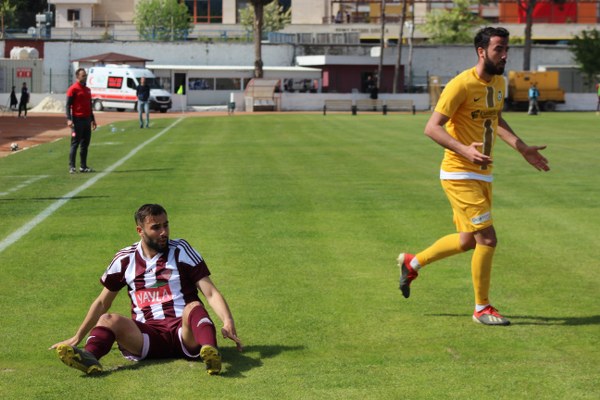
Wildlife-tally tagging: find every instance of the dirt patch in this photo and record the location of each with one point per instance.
(40, 128)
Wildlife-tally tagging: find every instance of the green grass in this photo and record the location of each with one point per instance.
(300, 218)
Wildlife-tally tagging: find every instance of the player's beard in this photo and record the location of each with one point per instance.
(492, 68)
(155, 245)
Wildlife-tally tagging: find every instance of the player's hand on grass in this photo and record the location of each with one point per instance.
(534, 157)
(71, 342)
(228, 332)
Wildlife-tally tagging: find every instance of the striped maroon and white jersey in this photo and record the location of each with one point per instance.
(159, 288)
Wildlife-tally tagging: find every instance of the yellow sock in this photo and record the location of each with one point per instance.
(444, 247)
(481, 272)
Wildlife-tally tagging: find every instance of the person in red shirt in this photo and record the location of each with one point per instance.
(80, 118)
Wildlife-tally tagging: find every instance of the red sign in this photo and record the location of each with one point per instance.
(23, 72)
(151, 296)
(115, 82)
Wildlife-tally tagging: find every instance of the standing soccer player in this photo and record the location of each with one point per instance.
(80, 118)
(466, 121)
(168, 320)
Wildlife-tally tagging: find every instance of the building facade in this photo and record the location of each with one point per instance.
(102, 13)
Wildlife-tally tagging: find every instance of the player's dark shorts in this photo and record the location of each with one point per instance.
(161, 341)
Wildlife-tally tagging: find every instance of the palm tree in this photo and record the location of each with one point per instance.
(258, 26)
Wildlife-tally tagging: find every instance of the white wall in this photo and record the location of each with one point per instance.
(61, 15)
(309, 11)
(179, 53)
(444, 61)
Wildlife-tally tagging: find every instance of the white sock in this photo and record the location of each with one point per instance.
(479, 307)
(414, 264)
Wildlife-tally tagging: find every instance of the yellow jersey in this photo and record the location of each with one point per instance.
(473, 106)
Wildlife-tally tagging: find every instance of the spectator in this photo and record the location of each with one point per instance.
(24, 100)
(13, 99)
(534, 94)
(143, 102)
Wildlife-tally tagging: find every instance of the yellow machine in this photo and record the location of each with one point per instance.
(546, 82)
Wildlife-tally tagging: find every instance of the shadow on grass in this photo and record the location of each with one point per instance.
(570, 321)
(539, 320)
(251, 357)
(235, 363)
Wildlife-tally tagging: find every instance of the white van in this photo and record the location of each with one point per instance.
(113, 86)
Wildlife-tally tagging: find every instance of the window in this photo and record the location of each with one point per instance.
(286, 4)
(73, 15)
(205, 11)
(228, 84)
(201, 84)
(131, 83)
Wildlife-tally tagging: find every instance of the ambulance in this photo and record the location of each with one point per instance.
(113, 86)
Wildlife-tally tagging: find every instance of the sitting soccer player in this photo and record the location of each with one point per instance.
(162, 277)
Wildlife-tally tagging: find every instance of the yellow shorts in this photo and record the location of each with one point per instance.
(471, 202)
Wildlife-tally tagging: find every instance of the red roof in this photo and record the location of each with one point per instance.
(112, 58)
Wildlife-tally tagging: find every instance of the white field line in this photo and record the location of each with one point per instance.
(25, 229)
(22, 185)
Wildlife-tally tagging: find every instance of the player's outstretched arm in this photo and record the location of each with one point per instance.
(219, 305)
(531, 153)
(100, 306)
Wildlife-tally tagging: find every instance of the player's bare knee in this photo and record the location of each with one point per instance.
(110, 321)
(488, 241)
(190, 306)
(188, 309)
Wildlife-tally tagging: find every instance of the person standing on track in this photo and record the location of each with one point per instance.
(80, 118)
(466, 121)
(13, 99)
(162, 277)
(143, 102)
(24, 100)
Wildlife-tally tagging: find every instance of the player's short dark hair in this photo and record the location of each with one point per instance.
(78, 70)
(148, 210)
(482, 38)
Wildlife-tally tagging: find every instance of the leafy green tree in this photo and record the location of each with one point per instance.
(274, 17)
(7, 11)
(454, 25)
(164, 20)
(586, 50)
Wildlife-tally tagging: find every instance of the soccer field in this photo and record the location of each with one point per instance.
(300, 219)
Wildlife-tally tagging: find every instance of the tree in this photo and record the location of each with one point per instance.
(261, 14)
(382, 42)
(399, 56)
(527, 6)
(454, 25)
(24, 15)
(586, 51)
(274, 17)
(162, 20)
(6, 10)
